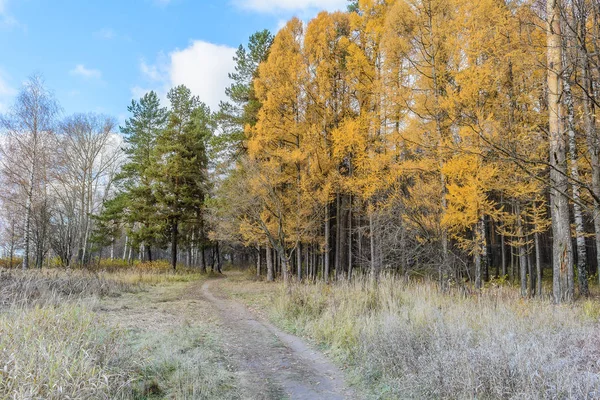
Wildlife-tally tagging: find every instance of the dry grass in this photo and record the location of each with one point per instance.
(60, 352)
(55, 286)
(408, 340)
(185, 363)
(50, 287)
(55, 343)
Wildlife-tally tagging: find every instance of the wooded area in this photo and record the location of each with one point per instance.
(451, 139)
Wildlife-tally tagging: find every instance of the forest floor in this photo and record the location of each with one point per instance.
(251, 358)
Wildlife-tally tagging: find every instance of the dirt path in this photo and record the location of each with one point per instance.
(275, 364)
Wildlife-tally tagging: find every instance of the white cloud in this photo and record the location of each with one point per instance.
(203, 67)
(6, 20)
(88, 73)
(278, 6)
(151, 72)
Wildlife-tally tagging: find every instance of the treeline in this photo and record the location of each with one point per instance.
(74, 191)
(444, 138)
(450, 138)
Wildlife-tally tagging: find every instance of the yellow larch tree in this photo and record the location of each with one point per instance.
(274, 145)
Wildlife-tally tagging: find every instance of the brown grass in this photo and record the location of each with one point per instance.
(56, 343)
(408, 340)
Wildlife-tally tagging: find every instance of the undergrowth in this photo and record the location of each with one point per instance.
(408, 340)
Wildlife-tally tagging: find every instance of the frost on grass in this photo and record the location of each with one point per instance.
(60, 352)
(184, 363)
(26, 288)
(409, 341)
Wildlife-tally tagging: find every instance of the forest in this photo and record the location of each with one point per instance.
(454, 140)
(413, 186)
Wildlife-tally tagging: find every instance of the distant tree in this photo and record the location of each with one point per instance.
(28, 129)
(353, 6)
(87, 157)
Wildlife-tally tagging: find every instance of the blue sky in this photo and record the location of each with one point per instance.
(96, 55)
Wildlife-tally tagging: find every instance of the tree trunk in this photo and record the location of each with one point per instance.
(218, 255)
(285, 267)
(299, 261)
(503, 249)
(589, 124)
(374, 266)
(561, 244)
(522, 253)
(213, 258)
(188, 251)
(350, 240)
(307, 261)
(532, 272)
(130, 255)
(326, 250)
(39, 257)
(338, 237)
(538, 264)
(202, 259)
(270, 274)
(258, 261)
(112, 248)
(577, 211)
(28, 224)
(125, 248)
(12, 243)
(174, 239)
(479, 253)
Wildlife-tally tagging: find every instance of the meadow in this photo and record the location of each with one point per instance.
(406, 339)
(69, 334)
(144, 332)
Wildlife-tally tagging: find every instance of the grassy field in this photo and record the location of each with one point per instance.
(146, 333)
(408, 340)
(124, 333)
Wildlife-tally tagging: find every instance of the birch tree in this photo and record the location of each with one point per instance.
(28, 130)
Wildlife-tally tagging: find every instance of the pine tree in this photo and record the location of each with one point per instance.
(141, 132)
(179, 173)
(243, 105)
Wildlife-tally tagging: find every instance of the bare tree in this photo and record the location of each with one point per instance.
(28, 129)
(89, 155)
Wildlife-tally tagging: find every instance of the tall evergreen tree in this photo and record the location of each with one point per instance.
(179, 179)
(243, 105)
(140, 133)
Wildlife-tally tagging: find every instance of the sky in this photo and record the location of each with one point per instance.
(97, 55)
